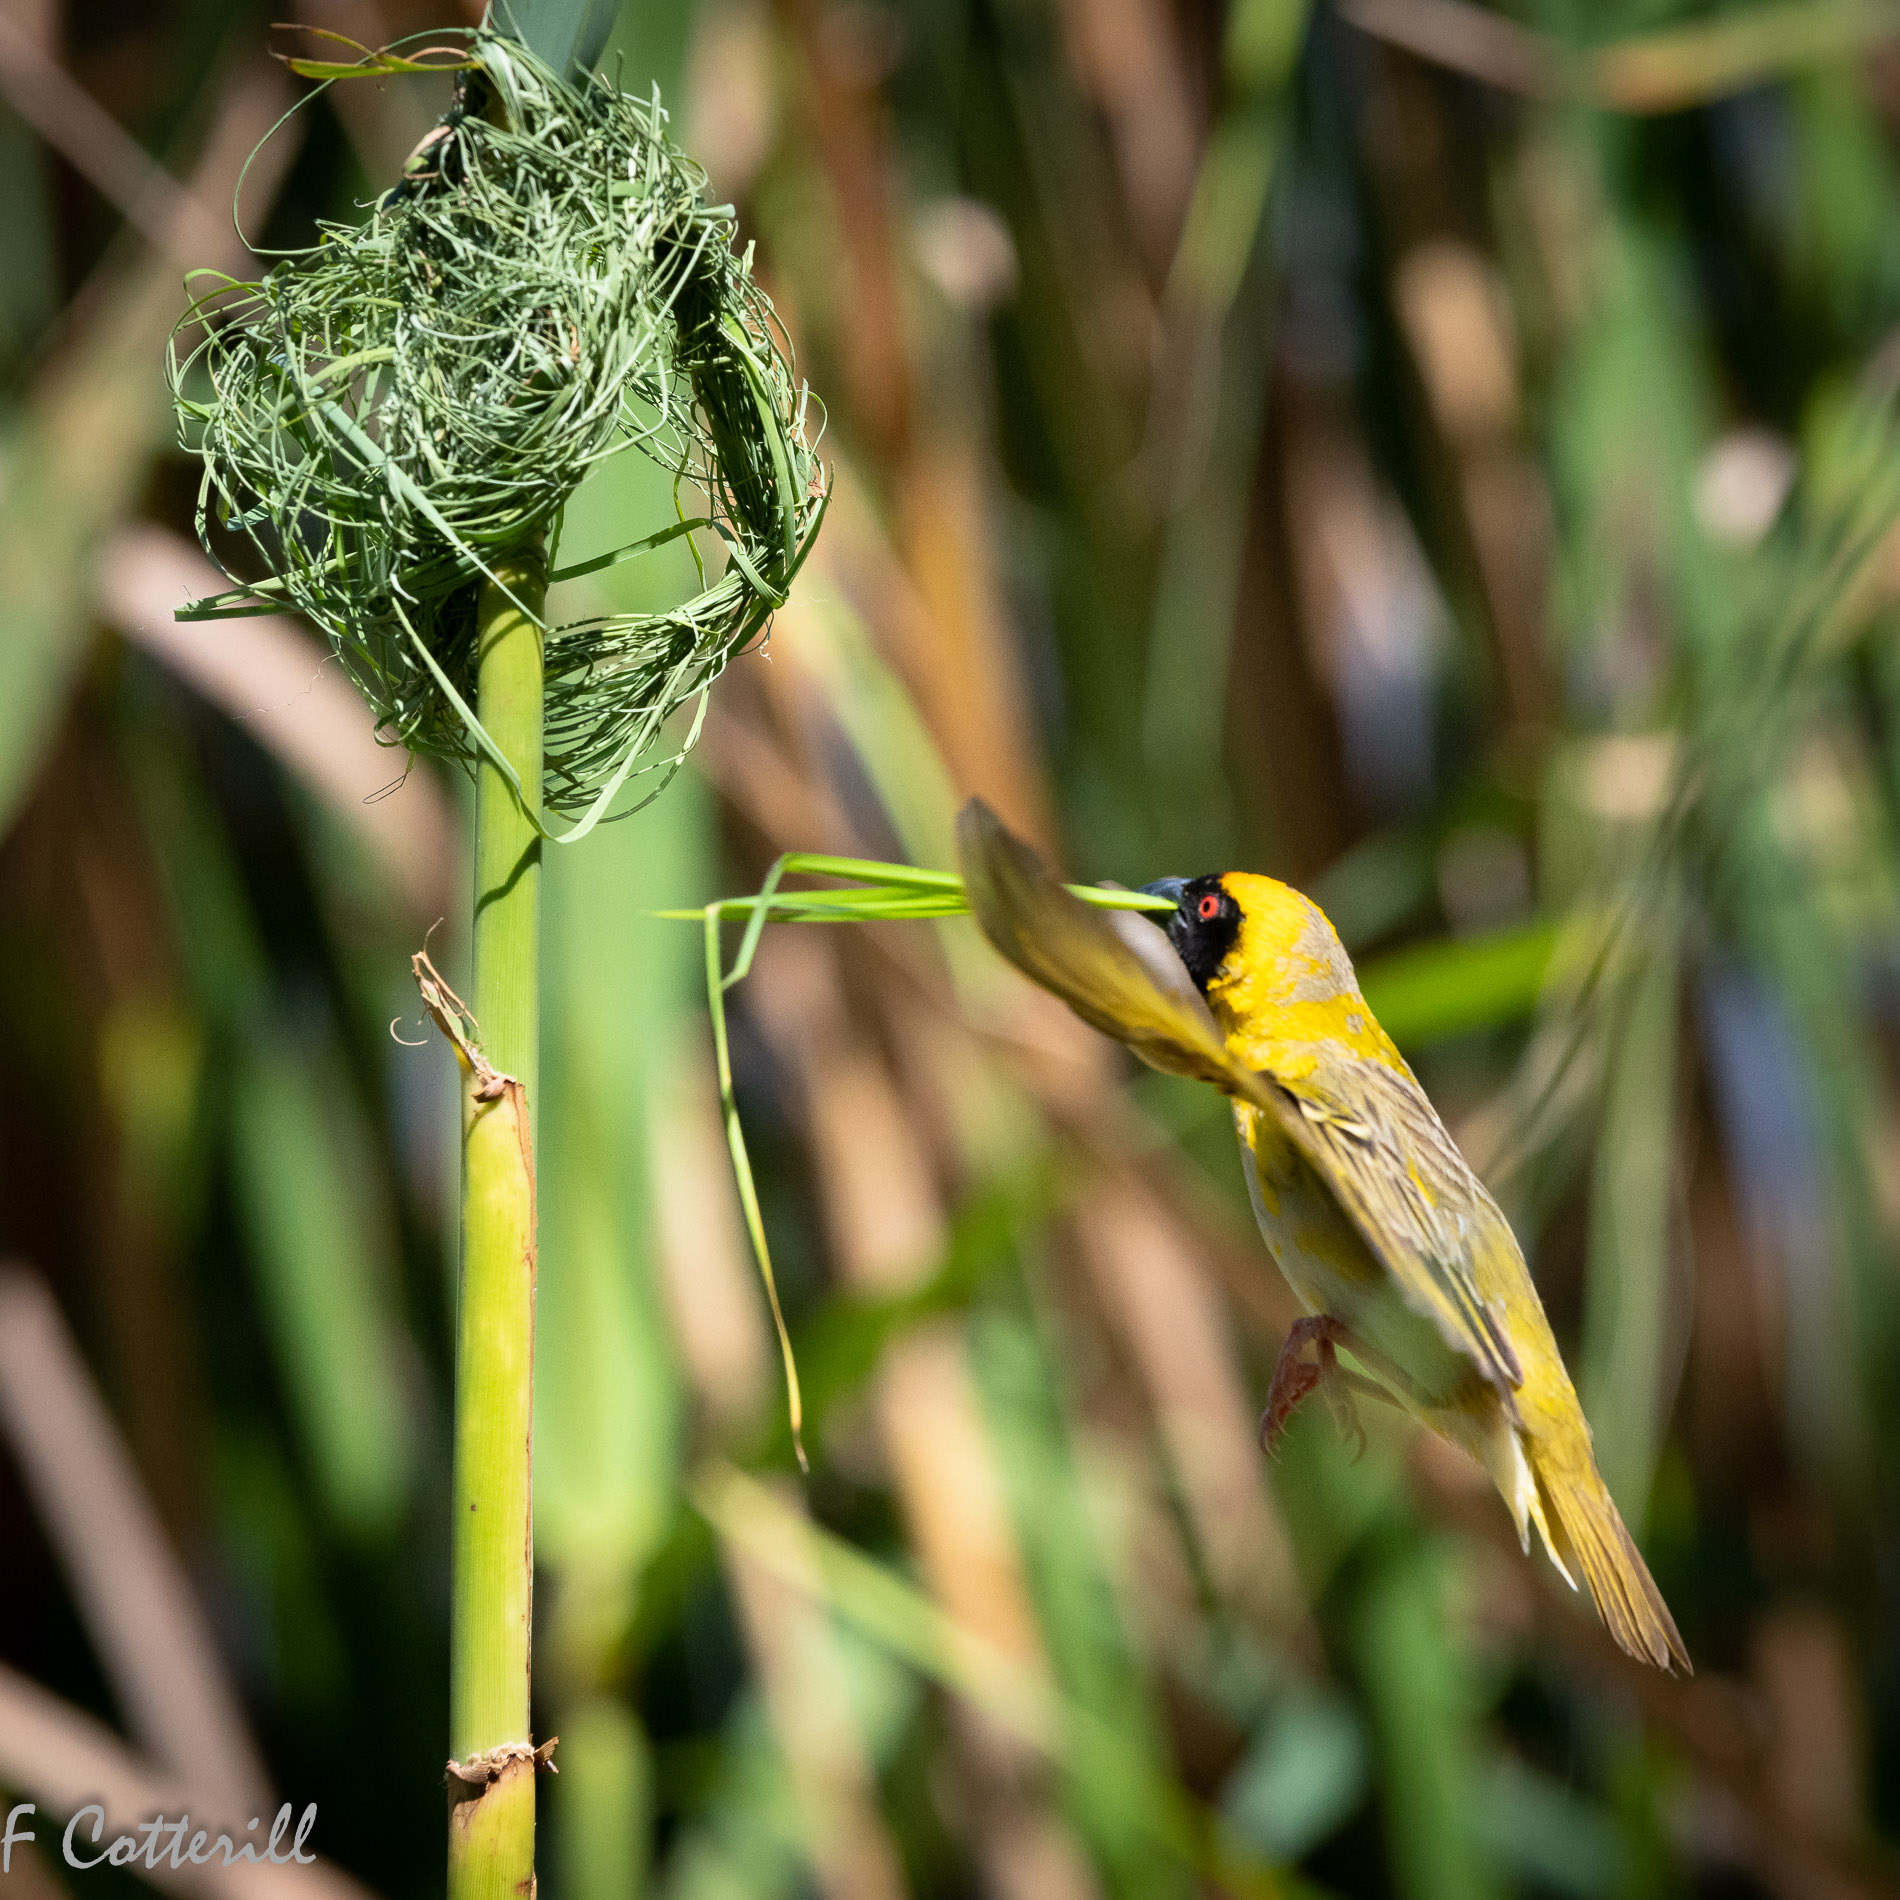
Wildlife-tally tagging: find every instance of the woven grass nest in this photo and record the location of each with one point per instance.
(389, 411)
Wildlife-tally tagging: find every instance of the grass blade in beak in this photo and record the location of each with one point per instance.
(1114, 968)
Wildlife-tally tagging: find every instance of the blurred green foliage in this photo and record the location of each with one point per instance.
(1445, 456)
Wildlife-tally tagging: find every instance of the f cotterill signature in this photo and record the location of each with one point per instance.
(155, 1851)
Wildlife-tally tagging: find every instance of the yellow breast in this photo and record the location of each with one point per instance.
(1315, 1246)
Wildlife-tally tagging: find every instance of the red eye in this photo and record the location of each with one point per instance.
(1209, 908)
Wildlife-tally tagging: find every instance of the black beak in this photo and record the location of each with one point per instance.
(1168, 887)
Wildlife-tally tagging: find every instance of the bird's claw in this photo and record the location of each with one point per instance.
(1295, 1380)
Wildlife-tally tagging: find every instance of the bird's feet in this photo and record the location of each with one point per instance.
(1295, 1380)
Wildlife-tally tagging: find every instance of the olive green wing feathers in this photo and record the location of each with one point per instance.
(1376, 1141)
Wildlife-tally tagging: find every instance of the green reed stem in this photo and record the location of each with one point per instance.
(491, 1832)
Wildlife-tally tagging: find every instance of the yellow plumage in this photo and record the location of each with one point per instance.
(1379, 1224)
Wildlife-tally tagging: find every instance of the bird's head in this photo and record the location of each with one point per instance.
(1251, 942)
(1204, 925)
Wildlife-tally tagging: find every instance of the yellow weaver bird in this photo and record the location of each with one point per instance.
(1386, 1235)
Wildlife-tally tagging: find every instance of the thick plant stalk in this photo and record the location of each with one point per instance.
(491, 1817)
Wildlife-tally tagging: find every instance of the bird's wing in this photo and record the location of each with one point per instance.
(1371, 1135)
(1113, 968)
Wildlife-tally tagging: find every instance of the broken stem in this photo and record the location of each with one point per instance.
(491, 1824)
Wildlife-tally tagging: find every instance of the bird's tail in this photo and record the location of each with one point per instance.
(1584, 1531)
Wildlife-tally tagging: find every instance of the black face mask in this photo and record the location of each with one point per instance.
(1204, 924)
